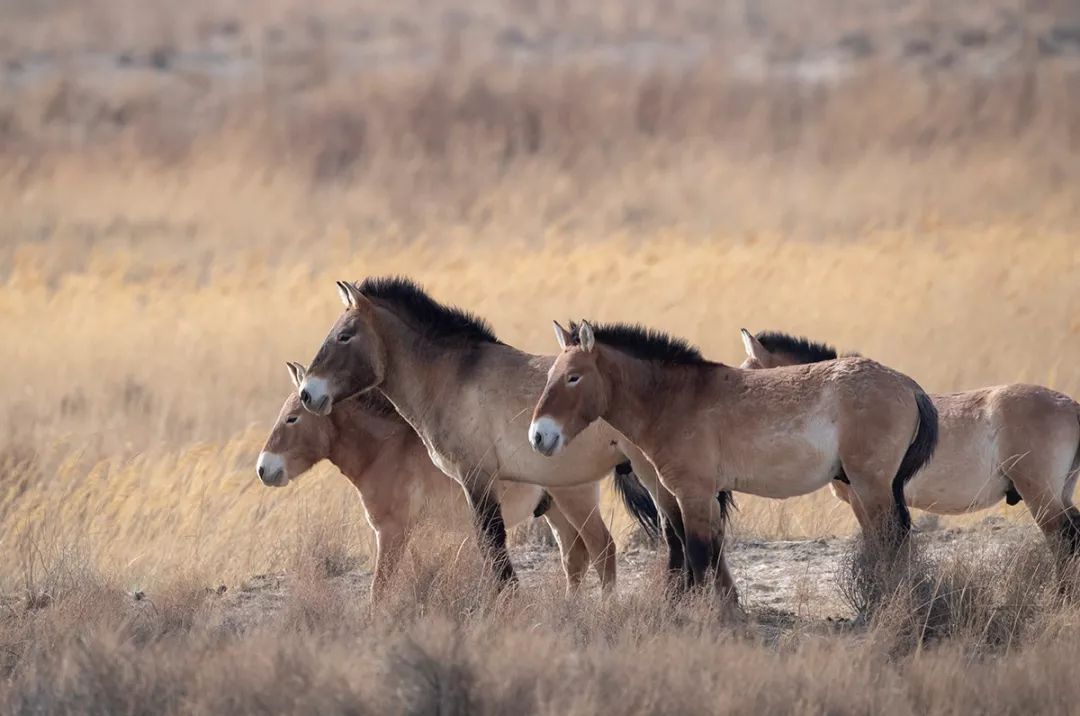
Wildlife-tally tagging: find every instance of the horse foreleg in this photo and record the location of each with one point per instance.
(697, 503)
(490, 526)
(679, 576)
(575, 556)
(581, 505)
(390, 545)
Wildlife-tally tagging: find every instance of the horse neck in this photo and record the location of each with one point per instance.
(635, 386)
(630, 385)
(359, 437)
(419, 376)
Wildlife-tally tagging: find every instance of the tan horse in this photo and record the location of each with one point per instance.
(1008, 442)
(707, 427)
(366, 439)
(468, 396)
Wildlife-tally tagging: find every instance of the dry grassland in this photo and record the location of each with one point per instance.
(181, 189)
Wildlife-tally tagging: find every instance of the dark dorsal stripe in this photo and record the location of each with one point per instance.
(644, 343)
(801, 349)
(438, 321)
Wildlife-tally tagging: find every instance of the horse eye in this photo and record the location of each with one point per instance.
(291, 419)
(344, 337)
(573, 379)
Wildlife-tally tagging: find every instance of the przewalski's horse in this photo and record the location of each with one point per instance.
(468, 396)
(373, 446)
(708, 427)
(1008, 442)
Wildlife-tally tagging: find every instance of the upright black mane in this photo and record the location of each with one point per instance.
(439, 322)
(802, 349)
(644, 343)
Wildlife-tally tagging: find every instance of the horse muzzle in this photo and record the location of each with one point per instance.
(271, 470)
(315, 396)
(545, 436)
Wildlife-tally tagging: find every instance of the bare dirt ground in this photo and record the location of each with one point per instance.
(780, 581)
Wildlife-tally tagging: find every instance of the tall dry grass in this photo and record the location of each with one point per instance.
(260, 129)
(445, 641)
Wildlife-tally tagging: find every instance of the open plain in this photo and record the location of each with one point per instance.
(180, 186)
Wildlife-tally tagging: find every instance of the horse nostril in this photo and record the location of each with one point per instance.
(262, 471)
(537, 438)
(305, 397)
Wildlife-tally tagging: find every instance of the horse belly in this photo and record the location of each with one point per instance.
(788, 463)
(962, 476)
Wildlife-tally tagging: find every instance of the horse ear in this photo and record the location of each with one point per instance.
(296, 372)
(350, 295)
(753, 346)
(585, 336)
(344, 294)
(561, 335)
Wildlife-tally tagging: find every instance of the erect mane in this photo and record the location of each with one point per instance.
(438, 321)
(801, 349)
(642, 342)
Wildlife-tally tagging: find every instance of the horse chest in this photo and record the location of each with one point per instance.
(440, 459)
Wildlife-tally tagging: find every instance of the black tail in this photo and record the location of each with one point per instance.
(636, 499)
(639, 503)
(543, 505)
(1070, 532)
(1070, 528)
(727, 504)
(918, 454)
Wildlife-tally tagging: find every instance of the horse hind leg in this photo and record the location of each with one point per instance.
(894, 532)
(876, 483)
(1044, 476)
(1060, 524)
(875, 506)
(1055, 516)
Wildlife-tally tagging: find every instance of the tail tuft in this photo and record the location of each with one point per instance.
(636, 499)
(918, 454)
(1070, 532)
(726, 499)
(543, 505)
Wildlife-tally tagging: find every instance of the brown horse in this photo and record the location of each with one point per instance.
(708, 427)
(399, 486)
(1013, 442)
(467, 395)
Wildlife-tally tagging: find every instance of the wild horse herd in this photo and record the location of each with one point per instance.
(425, 410)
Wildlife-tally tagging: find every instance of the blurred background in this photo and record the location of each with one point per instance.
(182, 183)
